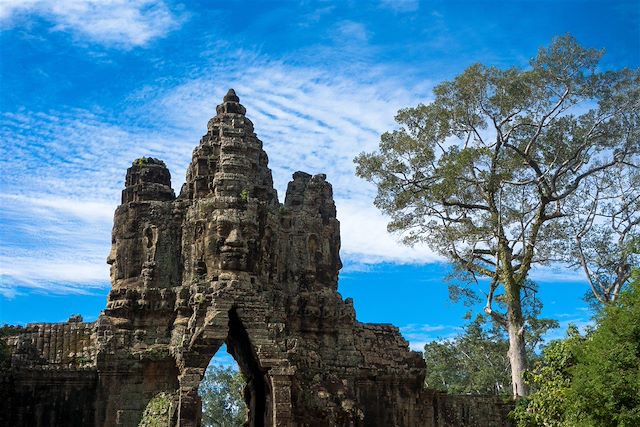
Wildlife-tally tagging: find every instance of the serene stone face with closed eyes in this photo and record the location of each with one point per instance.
(229, 241)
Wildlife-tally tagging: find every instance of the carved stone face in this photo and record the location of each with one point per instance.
(111, 260)
(231, 240)
(126, 259)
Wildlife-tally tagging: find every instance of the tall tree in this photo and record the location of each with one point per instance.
(485, 172)
(473, 362)
(221, 391)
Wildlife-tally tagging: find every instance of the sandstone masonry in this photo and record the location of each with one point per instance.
(225, 262)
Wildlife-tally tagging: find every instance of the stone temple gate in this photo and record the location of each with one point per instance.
(225, 263)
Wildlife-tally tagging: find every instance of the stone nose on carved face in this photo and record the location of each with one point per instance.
(111, 258)
(234, 241)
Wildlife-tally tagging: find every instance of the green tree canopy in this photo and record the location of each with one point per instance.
(221, 391)
(605, 389)
(486, 172)
(593, 380)
(472, 362)
(476, 360)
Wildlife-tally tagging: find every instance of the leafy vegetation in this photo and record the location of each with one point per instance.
(158, 411)
(244, 195)
(592, 380)
(551, 378)
(605, 389)
(147, 161)
(221, 391)
(491, 171)
(474, 362)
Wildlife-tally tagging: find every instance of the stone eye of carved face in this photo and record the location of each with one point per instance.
(223, 228)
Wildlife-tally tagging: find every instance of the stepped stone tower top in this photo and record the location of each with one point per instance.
(225, 263)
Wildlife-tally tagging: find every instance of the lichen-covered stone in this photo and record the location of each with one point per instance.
(159, 411)
(226, 263)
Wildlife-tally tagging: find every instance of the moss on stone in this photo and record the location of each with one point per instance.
(141, 161)
(158, 411)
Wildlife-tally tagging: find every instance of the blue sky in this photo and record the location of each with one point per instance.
(88, 86)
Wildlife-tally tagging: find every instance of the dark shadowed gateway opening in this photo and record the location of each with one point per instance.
(222, 392)
(234, 389)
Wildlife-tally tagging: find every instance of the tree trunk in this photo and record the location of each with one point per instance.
(517, 351)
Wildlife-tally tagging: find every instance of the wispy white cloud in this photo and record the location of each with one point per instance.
(126, 23)
(53, 245)
(62, 175)
(365, 239)
(351, 31)
(87, 210)
(315, 121)
(557, 274)
(63, 274)
(401, 5)
(419, 335)
(63, 170)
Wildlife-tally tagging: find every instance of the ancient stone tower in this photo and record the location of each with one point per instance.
(224, 262)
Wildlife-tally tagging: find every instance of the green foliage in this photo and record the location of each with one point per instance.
(488, 173)
(158, 411)
(474, 362)
(551, 378)
(592, 380)
(221, 391)
(244, 195)
(147, 161)
(140, 161)
(605, 390)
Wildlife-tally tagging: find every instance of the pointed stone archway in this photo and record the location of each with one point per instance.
(225, 261)
(267, 374)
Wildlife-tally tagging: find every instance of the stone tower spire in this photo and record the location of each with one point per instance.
(224, 263)
(230, 161)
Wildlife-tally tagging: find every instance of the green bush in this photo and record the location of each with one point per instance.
(591, 381)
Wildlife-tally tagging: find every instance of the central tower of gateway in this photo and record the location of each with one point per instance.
(225, 263)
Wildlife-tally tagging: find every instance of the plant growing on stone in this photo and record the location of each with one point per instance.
(140, 161)
(147, 160)
(244, 195)
(487, 171)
